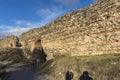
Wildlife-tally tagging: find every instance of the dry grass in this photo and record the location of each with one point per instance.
(104, 67)
(11, 54)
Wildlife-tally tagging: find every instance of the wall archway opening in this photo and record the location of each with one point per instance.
(39, 54)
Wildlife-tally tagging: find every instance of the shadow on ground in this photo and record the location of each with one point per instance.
(23, 74)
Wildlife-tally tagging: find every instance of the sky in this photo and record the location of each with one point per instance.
(18, 16)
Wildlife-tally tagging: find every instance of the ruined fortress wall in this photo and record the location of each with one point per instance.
(94, 30)
(9, 41)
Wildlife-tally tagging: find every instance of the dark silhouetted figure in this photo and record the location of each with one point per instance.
(3, 75)
(69, 75)
(85, 76)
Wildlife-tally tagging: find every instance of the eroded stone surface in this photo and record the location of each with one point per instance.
(9, 41)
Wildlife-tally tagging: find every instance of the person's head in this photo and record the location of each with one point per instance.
(67, 72)
(85, 73)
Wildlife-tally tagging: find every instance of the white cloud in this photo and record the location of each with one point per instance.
(24, 23)
(16, 31)
(20, 26)
(5, 27)
(50, 14)
(18, 22)
(12, 30)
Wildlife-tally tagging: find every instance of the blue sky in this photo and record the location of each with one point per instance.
(18, 16)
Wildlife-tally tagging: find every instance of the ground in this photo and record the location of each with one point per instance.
(100, 67)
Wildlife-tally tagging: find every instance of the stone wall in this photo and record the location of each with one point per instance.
(94, 30)
(9, 41)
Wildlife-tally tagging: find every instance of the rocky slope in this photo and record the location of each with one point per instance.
(91, 31)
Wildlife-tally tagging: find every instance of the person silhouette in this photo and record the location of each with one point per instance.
(85, 76)
(69, 75)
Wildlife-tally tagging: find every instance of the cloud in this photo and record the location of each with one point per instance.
(18, 28)
(19, 22)
(69, 3)
(15, 31)
(49, 15)
(5, 27)
(24, 23)
(12, 30)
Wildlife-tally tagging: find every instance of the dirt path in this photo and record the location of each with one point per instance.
(18, 71)
(24, 74)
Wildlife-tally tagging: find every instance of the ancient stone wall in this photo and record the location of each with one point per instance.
(9, 41)
(94, 30)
